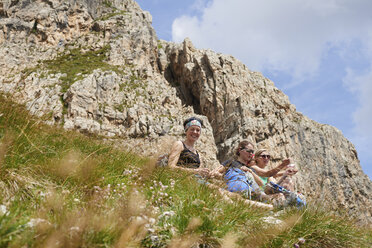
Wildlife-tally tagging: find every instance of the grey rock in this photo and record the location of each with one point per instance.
(147, 87)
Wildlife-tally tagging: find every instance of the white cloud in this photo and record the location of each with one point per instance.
(361, 85)
(285, 35)
(294, 37)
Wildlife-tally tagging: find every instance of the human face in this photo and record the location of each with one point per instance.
(263, 159)
(246, 153)
(193, 133)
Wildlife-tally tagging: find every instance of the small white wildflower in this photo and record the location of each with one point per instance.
(76, 200)
(167, 214)
(165, 194)
(272, 220)
(65, 191)
(75, 228)
(152, 221)
(151, 187)
(277, 214)
(3, 210)
(151, 230)
(35, 222)
(154, 238)
(108, 185)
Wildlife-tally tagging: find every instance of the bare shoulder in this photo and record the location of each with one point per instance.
(177, 147)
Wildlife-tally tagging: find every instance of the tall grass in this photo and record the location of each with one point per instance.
(64, 189)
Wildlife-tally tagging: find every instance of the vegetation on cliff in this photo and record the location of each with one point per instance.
(64, 189)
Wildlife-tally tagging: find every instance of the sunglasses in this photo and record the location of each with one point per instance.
(249, 151)
(265, 156)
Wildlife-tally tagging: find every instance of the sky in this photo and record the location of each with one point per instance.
(317, 52)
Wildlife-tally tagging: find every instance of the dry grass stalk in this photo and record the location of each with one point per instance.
(5, 143)
(229, 241)
(68, 165)
(185, 241)
(132, 234)
(258, 239)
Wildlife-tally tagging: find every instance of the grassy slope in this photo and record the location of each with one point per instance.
(63, 189)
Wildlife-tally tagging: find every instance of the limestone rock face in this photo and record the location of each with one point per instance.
(97, 66)
(121, 95)
(241, 104)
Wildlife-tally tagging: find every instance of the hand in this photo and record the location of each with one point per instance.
(215, 174)
(244, 168)
(291, 171)
(204, 172)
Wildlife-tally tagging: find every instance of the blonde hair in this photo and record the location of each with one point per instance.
(258, 153)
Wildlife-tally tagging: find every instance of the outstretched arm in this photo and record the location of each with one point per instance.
(290, 171)
(269, 173)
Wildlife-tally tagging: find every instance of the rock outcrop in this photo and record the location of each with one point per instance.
(98, 67)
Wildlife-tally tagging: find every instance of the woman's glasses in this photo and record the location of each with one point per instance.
(248, 150)
(265, 156)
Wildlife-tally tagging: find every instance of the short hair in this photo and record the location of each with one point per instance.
(242, 145)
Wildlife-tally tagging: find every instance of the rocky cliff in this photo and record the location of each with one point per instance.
(98, 67)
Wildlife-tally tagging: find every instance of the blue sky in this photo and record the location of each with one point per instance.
(317, 52)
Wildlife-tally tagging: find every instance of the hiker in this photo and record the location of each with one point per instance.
(238, 177)
(259, 164)
(183, 155)
(281, 191)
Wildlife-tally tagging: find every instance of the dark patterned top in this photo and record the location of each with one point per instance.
(188, 159)
(233, 163)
